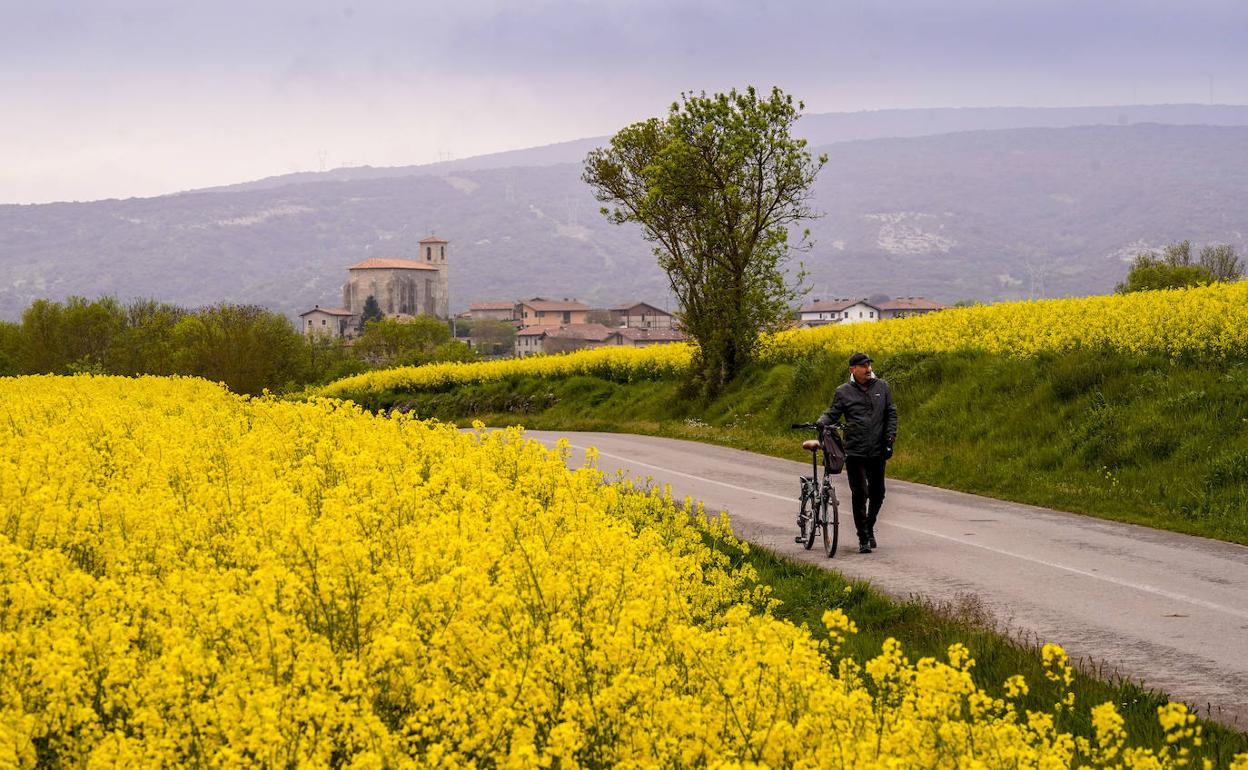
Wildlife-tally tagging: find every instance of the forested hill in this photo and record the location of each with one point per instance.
(991, 214)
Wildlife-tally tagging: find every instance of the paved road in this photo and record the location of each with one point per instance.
(1165, 609)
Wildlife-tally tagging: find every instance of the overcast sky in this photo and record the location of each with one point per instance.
(120, 98)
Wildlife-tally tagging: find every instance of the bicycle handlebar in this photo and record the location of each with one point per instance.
(815, 426)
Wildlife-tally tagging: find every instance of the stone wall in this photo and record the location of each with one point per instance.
(399, 291)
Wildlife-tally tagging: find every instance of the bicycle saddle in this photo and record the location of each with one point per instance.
(810, 445)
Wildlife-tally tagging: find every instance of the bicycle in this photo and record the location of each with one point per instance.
(818, 509)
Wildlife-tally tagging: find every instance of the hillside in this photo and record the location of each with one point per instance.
(818, 129)
(989, 215)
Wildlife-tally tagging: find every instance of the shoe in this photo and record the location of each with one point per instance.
(871, 540)
(799, 539)
(864, 548)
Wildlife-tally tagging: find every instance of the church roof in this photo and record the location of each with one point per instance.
(377, 263)
(434, 239)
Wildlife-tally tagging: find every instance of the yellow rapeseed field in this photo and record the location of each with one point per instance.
(619, 364)
(1209, 321)
(189, 577)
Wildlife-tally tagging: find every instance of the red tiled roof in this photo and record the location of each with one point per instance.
(651, 335)
(434, 239)
(498, 305)
(541, 303)
(588, 332)
(834, 305)
(532, 331)
(910, 303)
(378, 263)
(327, 311)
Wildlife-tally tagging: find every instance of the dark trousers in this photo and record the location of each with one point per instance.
(866, 488)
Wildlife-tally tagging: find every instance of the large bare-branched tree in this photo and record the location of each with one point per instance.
(716, 187)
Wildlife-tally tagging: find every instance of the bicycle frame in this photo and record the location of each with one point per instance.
(824, 507)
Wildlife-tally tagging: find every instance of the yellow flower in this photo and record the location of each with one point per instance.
(1016, 686)
(1208, 321)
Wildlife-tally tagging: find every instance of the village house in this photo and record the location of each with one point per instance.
(559, 326)
(832, 311)
(902, 307)
(639, 338)
(564, 339)
(326, 321)
(499, 310)
(529, 341)
(640, 315)
(560, 339)
(540, 311)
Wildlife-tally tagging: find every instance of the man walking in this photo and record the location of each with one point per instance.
(866, 404)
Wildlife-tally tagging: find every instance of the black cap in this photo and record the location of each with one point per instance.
(858, 359)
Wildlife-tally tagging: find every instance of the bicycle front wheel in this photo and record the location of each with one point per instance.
(831, 524)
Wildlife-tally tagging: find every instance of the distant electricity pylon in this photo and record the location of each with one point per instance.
(321, 155)
(1037, 273)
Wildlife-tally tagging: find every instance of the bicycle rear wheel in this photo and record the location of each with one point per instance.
(831, 524)
(807, 515)
(818, 521)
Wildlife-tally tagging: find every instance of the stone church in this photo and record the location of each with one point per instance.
(402, 288)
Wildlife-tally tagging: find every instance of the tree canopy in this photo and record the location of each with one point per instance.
(1173, 268)
(247, 347)
(716, 187)
(1222, 262)
(412, 341)
(370, 312)
(492, 337)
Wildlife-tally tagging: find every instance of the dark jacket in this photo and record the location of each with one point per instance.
(870, 417)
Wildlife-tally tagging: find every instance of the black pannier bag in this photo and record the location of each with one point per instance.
(833, 451)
